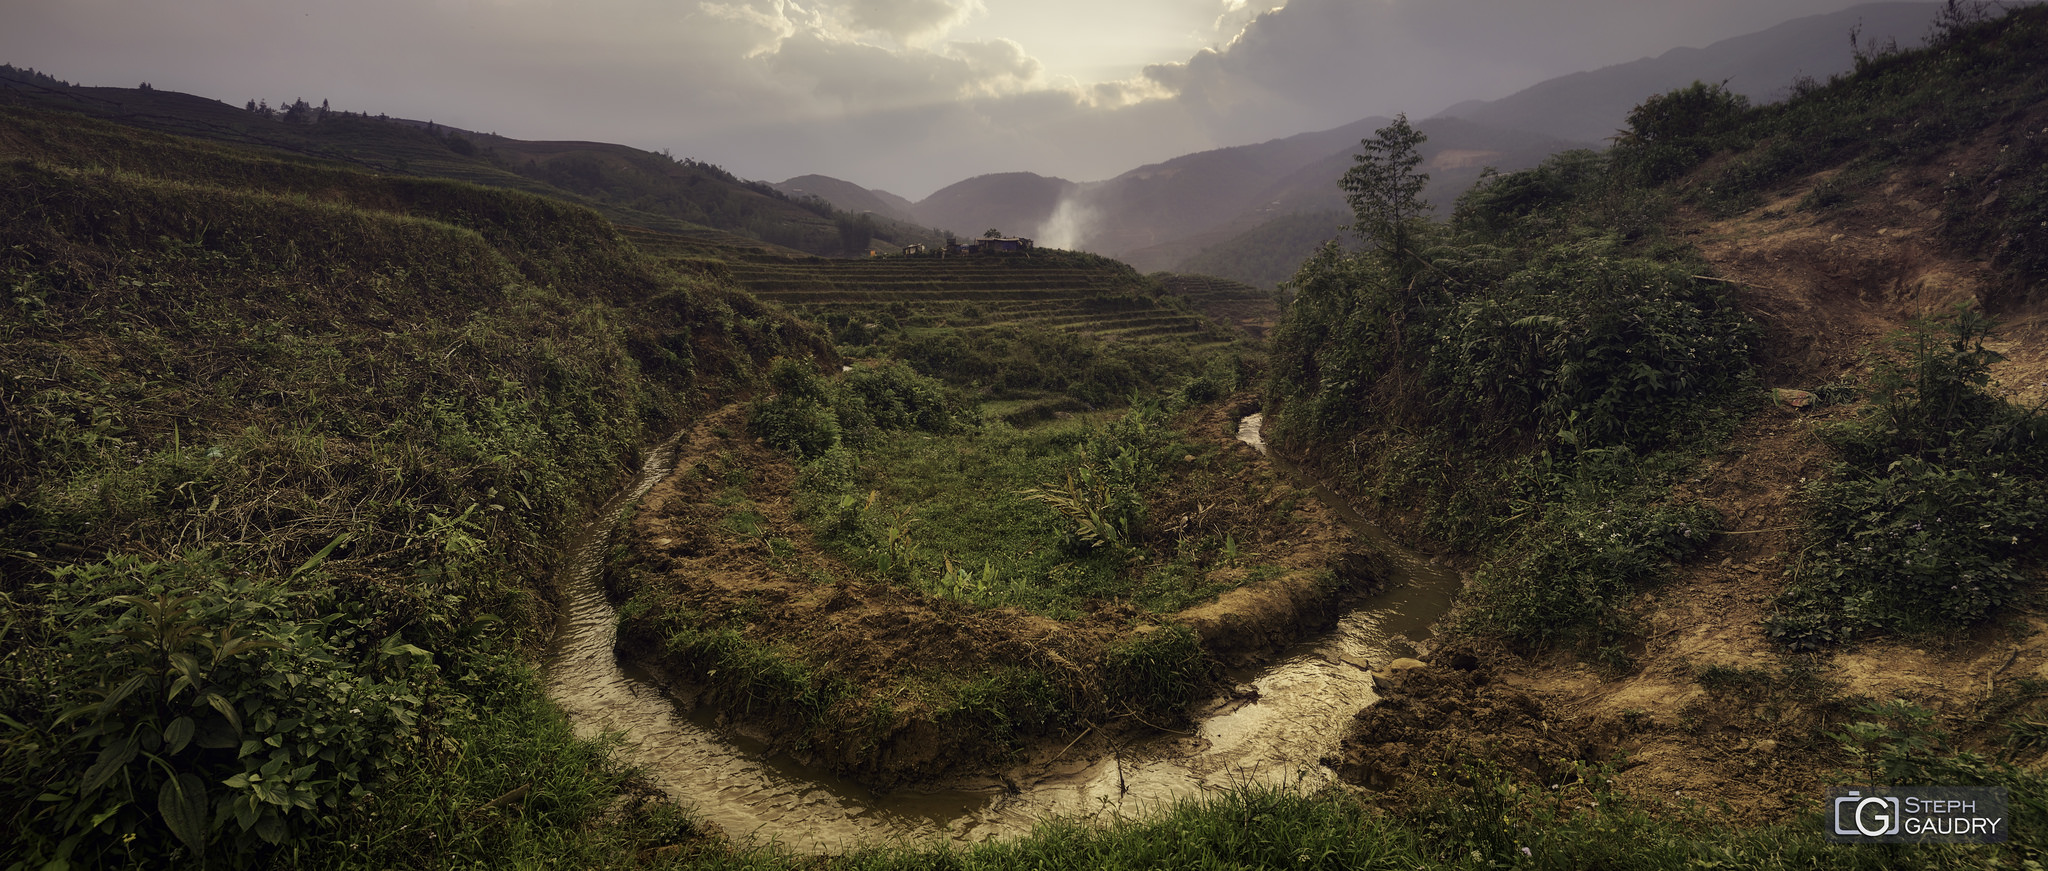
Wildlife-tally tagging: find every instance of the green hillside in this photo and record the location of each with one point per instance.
(287, 453)
(629, 186)
(292, 441)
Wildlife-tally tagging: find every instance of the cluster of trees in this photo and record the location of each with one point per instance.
(295, 112)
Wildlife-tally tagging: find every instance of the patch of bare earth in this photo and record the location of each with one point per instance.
(1826, 288)
(892, 647)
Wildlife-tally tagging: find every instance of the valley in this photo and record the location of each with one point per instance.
(459, 515)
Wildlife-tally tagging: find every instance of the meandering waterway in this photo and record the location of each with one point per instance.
(1279, 722)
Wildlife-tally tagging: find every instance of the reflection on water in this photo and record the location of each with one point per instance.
(1302, 704)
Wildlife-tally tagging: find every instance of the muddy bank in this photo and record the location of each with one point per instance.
(887, 686)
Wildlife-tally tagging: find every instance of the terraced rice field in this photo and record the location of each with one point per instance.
(1050, 290)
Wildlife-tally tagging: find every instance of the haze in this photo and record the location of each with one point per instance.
(903, 95)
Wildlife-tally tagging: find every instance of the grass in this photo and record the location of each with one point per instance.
(244, 372)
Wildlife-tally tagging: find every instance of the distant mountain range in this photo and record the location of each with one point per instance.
(1591, 106)
(1167, 215)
(1210, 209)
(628, 185)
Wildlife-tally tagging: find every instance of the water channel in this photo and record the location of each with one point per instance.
(1304, 699)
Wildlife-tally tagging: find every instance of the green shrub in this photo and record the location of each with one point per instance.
(1669, 134)
(1933, 518)
(192, 710)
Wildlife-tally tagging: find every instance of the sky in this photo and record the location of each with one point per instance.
(902, 95)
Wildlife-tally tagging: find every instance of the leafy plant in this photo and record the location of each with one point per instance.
(1933, 517)
(202, 711)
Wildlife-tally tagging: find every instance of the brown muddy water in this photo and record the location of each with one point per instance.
(1303, 702)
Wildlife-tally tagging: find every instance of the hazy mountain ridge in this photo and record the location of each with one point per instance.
(849, 197)
(628, 185)
(1762, 66)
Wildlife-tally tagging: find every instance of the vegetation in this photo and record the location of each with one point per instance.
(288, 451)
(1899, 109)
(632, 187)
(1047, 519)
(1267, 255)
(1527, 381)
(286, 448)
(1934, 517)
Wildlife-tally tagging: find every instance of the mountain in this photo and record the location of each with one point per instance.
(1160, 215)
(1762, 66)
(630, 186)
(1456, 152)
(1197, 192)
(849, 197)
(1157, 214)
(1017, 203)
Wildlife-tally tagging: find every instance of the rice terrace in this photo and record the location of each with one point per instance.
(378, 493)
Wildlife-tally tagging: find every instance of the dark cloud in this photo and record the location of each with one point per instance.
(1327, 62)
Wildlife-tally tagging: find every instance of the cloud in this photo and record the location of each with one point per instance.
(1326, 62)
(908, 94)
(909, 20)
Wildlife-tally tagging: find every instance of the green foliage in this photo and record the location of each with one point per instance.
(189, 709)
(1100, 495)
(1585, 349)
(760, 679)
(1099, 500)
(1901, 744)
(1525, 384)
(1669, 134)
(276, 366)
(1567, 577)
(810, 415)
(1933, 519)
(1385, 191)
(1266, 255)
(1159, 672)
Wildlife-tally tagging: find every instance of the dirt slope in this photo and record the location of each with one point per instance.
(1826, 286)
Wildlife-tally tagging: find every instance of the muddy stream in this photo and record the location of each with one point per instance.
(1305, 698)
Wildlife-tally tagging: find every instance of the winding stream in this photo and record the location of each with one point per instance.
(1304, 699)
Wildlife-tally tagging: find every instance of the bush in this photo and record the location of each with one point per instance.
(191, 710)
(1932, 520)
(1669, 134)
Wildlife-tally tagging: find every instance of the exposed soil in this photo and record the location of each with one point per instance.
(890, 645)
(1826, 287)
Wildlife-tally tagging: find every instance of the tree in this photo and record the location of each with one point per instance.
(1385, 191)
(992, 233)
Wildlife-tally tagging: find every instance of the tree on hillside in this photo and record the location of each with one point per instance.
(1385, 191)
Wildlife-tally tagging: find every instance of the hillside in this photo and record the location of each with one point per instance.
(288, 453)
(1823, 545)
(346, 514)
(1764, 66)
(627, 185)
(1017, 203)
(848, 197)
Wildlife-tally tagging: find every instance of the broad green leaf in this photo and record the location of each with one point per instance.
(110, 761)
(226, 708)
(122, 692)
(179, 733)
(182, 801)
